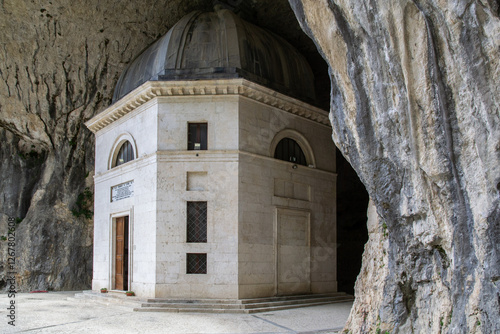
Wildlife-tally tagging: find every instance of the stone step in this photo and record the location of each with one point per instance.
(194, 310)
(192, 301)
(240, 311)
(246, 300)
(287, 307)
(252, 305)
(237, 304)
(292, 297)
(193, 305)
(289, 302)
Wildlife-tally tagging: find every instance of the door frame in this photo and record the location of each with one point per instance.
(112, 247)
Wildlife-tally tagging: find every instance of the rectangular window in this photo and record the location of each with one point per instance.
(196, 222)
(196, 263)
(197, 136)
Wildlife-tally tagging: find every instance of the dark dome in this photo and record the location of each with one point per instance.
(219, 45)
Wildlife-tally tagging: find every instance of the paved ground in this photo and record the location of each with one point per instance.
(58, 312)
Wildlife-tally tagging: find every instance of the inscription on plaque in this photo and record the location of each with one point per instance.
(122, 191)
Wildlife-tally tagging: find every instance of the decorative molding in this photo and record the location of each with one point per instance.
(300, 169)
(191, 156)
(126, 168)
(198, 156)
(242, 87)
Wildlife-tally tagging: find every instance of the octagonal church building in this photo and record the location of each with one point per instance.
(214, 171)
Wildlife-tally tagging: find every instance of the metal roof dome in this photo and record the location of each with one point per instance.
(216, 45)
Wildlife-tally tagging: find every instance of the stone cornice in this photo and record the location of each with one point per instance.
(241, 87)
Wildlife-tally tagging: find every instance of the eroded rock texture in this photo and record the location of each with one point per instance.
(415, 109)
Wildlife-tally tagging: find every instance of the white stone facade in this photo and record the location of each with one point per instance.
(270, 223)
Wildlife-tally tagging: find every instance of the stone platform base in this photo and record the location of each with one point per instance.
(253, 305)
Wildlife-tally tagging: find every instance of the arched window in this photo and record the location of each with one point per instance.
(125, 154)
(289, 150)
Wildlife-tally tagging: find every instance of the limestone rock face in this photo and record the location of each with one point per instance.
(415, 110)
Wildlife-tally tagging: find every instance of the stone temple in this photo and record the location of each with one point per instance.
(215, 172)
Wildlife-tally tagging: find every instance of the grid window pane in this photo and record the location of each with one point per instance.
(196, 264)
(197, 136)
(196, 222)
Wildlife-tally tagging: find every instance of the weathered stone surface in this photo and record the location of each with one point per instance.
(415, 109)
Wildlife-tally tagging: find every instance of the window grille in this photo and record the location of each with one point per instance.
(289, 150)
(196, 222)
(196, 263)
(125, 154)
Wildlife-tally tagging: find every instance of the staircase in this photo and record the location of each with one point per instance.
(252, 305)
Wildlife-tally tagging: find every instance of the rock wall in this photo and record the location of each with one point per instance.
(415, 110)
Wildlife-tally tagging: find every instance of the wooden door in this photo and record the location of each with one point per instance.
(121, 254)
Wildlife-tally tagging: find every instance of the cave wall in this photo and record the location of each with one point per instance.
(415, 110)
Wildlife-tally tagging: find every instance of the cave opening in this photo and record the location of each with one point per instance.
(352, 231)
